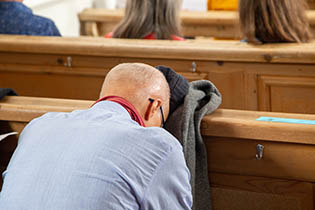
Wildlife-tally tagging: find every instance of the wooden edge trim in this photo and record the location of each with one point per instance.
(222, 123)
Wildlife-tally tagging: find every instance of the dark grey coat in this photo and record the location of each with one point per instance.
(202, 98)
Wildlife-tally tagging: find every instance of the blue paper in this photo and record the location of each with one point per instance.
(286, 120)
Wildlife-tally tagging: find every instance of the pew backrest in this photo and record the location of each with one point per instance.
(279, 77)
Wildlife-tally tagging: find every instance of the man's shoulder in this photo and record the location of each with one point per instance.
(163, 137)
(44, 22)
(37, 25)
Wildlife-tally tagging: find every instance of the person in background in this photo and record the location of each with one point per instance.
(149, 19)
(112, 156)
(16, 18)
(274, 21)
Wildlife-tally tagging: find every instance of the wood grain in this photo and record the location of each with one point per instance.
(251, 192)
(280, 160)
(161, 49)
(222, 123)
(248, 77)
(286, 94)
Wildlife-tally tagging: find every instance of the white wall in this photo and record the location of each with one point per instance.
(62, 12)
(194, 5)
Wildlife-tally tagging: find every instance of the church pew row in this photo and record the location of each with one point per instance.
(278, 78)
(220, 24)
(282, 179)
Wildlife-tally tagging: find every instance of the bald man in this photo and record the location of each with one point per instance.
(112, 156)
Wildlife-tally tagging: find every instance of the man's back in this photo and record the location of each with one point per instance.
(16, 18)
(95, 159)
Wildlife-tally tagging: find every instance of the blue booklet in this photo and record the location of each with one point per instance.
(286, 120)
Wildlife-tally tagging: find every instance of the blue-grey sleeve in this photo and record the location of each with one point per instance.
(170, 187)
(53, 30)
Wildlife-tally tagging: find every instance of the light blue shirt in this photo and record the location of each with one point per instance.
(95, 159)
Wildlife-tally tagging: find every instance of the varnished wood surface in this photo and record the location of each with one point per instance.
(286, 160)
(191, 17)
(237, 192)
(221, 24)
(222, 123)
(278, 78)
(191, 50)
(282, 180)
(243, 124)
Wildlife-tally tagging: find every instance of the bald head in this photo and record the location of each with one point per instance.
(137, 83)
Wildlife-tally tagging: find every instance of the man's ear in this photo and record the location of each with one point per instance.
(152, 108)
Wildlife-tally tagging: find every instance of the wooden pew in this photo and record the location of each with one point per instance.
(220, 24)
(279, 78)
(311, 4)
(283, 179)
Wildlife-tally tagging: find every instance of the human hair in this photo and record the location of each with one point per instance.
(271, 21)
(143, 17)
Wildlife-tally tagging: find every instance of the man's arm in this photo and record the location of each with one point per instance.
(170, 187)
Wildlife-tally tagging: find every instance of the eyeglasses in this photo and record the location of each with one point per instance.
(161, 110)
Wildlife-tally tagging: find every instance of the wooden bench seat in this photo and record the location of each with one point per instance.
(283, 179)
(220, 24)
(278, 78)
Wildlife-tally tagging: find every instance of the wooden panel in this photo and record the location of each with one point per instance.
(231, 85)
(43, 76)
(311, 4)
(234, 192)
(235, 68)
(280, 160)
(105, 28)
(287, 94)
(52, 85)
(219, 31)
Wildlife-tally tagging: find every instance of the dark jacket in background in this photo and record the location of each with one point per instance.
(16, 18)
(7, 92)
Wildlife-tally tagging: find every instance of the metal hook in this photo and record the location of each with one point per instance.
(193, 67)
(260, 151)
(69, 62)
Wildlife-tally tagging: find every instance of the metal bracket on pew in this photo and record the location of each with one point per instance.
(260, 151)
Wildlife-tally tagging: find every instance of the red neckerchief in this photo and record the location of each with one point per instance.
(128, 106)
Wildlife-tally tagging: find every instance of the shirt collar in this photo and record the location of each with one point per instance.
(111, 106)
